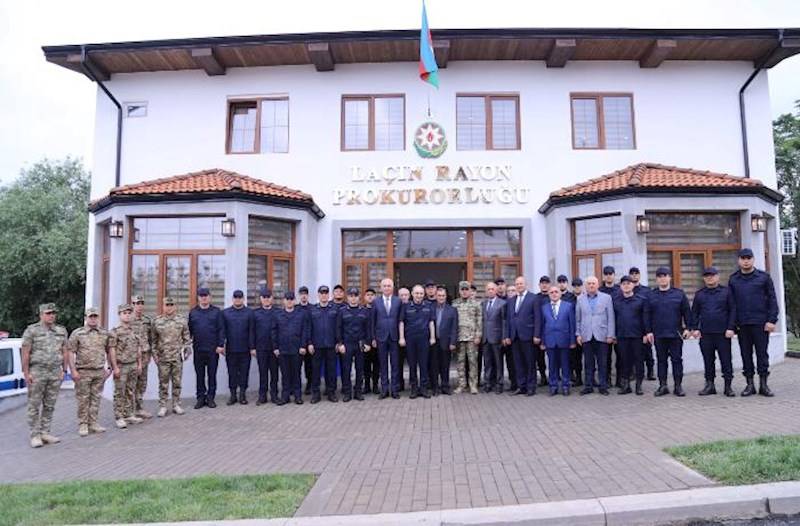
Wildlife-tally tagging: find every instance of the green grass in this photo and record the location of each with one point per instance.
(764, 459)
(201, 498)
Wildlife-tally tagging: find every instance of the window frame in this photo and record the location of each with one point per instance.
(370, 98)
(596, 253)
(231, 103)
(599, 97)
(488, 97)
(272, 255)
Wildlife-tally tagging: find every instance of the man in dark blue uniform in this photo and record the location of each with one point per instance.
(633, 328)
(756, 316)
(417, 335)
(291, 337)
(208, 340)
(322, 345)
(372, 367)
(264, 319)
(647, 348)
(239, 341)
(339, 299)
(563, 285)
(671, 319)
(714, 318)
(609, 287)
(307, 363)
(352, 334)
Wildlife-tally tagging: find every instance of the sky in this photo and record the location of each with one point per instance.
(48, 111)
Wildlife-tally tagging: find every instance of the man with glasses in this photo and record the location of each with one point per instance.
(756, 316)
(143, 326)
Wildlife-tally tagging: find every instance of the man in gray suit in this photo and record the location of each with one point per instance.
(495, 331)
(595, 328)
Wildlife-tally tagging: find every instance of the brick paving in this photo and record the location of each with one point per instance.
(409, 455)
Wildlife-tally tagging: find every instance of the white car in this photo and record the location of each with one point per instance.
(12, 381)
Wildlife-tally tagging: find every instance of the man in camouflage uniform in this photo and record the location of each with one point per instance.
(89, 350)
(470, 327)
(143, 325)
(171, 346)
(127, 348)
(44, 360)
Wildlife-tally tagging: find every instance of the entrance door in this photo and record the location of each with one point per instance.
(447, 274)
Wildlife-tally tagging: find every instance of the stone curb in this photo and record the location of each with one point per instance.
(721, 502)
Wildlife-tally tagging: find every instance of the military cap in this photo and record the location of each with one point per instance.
(289, 295)
(92, 311)
(429, 283)
(462, 285)
(124, 307)
(352, 291)
(562, 278)
(608, 269)
(302, 290)
(47, 307)
(745, 253)
(473, 287)
(323, 289)
(625, 279)
(266, 292)
(663, 271)
(202, 291)
(544, 279)
(338, 286)
(238, 294)
(634, 270)
(168, 300)
(137, 299)
(577, 282)
(498, 280)
(710, 271)
(369, 290)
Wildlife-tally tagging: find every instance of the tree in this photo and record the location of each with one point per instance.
(786, 132)
(43, 243)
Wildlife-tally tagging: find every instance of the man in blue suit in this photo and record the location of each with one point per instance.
(446, 332)
(385, 336)
(557, 333)
(522, 319)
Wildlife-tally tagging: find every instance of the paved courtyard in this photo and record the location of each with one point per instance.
(408, 455)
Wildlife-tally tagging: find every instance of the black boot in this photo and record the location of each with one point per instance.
(625, 388)
(662, 389)
(233, 399)
(678, 391)
(728, 390)
(201, 403)
(763, 388)
(639, 390)
(749, 389)
(709, 389)
(242, 397)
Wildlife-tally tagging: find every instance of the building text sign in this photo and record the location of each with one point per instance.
(436, 185)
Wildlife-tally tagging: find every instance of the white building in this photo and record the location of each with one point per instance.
(561, 146)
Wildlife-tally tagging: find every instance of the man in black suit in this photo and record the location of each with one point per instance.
(495, 330)
(446, 325)
(521, 319)
(385, 336)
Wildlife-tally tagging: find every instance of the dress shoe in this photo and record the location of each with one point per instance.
(282, 402)
(498, 390)
(763, 388)
(346, 398)
(531, 392)
(662, 390)
(708, 389)
(261, 400)
(359, 397)
(201, 403)
(232, 400)
(678, 391)
(749, 389)
(211, 403)
(243, 398)
(446, 391)
(586, 390)
(396, 396)
(383, 396)
(603, 391)
(728, 391)
(333, 398)
(298, 401)
(426, 393)
(315, 398)
(565, 391)
(413, 394)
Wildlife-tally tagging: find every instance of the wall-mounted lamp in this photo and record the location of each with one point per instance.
(758, 223)
(228, 227)
(115, 229)
(642, 224)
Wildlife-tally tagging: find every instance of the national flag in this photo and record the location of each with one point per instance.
(428, 70)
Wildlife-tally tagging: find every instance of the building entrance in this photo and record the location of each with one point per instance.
(446, 274)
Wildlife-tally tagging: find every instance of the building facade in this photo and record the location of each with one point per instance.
(321, 159)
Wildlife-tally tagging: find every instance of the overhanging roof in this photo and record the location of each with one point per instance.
(650, 47)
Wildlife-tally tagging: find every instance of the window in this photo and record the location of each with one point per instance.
(487, 122)
(602, 122)
(6, 361)
(258, 126)
(173, 256)
(373, 122)
(687, 242)
(270, 258)
(596, 243)
(135, 109)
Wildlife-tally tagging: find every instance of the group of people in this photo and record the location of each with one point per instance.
(569, 335)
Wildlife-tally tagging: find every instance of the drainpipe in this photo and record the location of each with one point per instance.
(89, 73)
(742, 117)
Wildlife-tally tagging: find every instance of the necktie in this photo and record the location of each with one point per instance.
(489, 307)
(555, 310)
(519, 302)
(387, 303)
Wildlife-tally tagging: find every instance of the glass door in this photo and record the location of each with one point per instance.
(177, 281)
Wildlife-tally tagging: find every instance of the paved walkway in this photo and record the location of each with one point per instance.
(409, 455)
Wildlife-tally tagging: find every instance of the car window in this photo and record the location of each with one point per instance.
(6, 361)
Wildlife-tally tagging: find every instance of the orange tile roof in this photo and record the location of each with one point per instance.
(212, 181)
